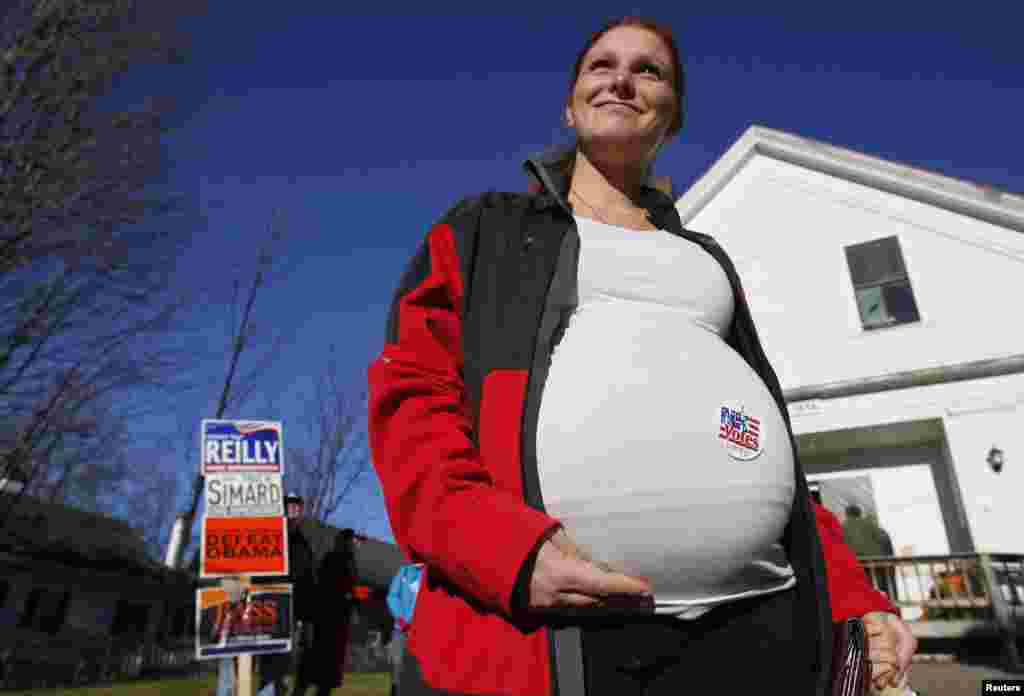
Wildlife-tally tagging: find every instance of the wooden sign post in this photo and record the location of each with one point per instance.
(246, 685)
(244, 682)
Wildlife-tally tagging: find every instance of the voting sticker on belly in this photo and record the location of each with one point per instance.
(739, 433)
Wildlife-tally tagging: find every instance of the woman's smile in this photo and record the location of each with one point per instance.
(618, 106)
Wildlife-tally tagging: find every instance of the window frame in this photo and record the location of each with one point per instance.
(45, 610)
(902, 278)
(54, 620)
(132, 618)
(30, 609)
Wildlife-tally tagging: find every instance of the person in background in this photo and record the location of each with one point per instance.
(861, 533)
(273, 668)
(401, 600)
(866, 537)
(888, 579)
(322, 663)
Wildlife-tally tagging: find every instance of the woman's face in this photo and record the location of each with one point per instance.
(623, 102)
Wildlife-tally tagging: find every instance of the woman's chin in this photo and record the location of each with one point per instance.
(617, 146)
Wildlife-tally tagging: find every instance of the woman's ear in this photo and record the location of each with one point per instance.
(570, 121)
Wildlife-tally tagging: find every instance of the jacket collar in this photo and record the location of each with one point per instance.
(551, 185)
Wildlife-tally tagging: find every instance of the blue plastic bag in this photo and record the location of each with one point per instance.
(402, 593)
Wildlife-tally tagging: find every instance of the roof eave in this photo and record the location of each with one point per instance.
(973, 200)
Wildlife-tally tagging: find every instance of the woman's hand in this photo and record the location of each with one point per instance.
(891, 645)
(564, 576)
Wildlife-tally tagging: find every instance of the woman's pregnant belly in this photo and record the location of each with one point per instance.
(662, 452)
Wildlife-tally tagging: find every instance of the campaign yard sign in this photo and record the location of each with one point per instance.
(244, 495)
(236, 446)
(258, 621)
(244, 546)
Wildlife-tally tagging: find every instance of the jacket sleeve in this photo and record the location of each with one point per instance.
(850, 592)
(442, 503)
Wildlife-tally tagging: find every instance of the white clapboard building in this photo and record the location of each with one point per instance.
(889, 301)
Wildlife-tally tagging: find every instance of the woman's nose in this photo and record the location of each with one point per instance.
(622, 84)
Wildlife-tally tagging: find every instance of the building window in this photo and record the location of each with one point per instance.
(166, 619)
(28, 612)
(45, 610)
(52, 619)
(184, 621)
(8, 610)
(881, 284)
(130, 618)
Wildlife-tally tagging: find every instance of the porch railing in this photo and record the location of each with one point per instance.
(957, 595)
(31, 660)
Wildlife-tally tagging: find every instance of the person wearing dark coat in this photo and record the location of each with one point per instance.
(274, 667)
(322, 663)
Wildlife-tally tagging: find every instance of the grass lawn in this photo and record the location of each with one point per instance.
(356, 684)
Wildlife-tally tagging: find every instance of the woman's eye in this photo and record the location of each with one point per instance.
(599, 64)
(651, 69)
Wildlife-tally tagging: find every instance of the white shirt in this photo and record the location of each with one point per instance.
(659, 448)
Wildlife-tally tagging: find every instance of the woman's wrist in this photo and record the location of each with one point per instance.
(520, 600)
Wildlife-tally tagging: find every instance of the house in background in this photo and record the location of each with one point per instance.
(79, 598)
(887, 299)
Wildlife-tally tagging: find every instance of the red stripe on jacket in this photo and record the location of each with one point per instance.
(459, 510)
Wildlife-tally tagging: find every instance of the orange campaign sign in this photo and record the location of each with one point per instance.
(256, 619)
(244, 546)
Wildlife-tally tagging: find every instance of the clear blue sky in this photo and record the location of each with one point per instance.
(363, 128)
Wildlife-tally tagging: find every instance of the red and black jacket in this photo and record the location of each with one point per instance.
(454, 401)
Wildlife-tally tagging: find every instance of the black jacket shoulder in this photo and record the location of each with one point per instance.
(471, 207)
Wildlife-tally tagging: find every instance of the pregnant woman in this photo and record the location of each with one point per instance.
(578, 433)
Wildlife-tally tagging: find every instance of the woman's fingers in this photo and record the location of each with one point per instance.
(568, 600)
(883, 657)
(589, 578)
(906, 643)
(569, 547)
(562, 578)
(890, 633)
(883, 677)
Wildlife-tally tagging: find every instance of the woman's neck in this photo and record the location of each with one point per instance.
(609, 194)
(607, 186)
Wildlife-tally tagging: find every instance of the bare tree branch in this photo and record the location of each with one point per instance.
(84, 259)
(328, 462)
(247, 344)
